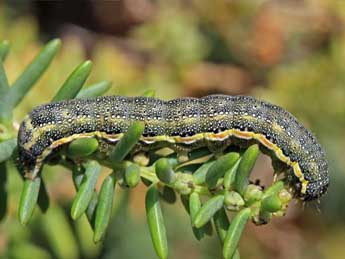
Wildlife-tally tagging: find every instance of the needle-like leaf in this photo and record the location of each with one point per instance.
(207, 211)
(82, 147)
(234, 233)
(86, 189)
(164, 171)
(31, 74)
(74, 82)
(132, 175)
(6, 149)
(194, 207)
(28, 199)
(218, 169)
(156, 222)
(127, 142)
(104, 207)
(149, 93)
(245, 167)
(4, 49)
(95, 90)
(4, 87)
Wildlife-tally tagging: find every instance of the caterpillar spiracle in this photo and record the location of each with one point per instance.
(186, 122)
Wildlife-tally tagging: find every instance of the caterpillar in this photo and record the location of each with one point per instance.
(187, 123)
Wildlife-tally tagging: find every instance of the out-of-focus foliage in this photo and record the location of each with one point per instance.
(287, 52)
(174, 37)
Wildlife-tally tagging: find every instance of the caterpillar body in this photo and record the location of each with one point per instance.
(185, 122)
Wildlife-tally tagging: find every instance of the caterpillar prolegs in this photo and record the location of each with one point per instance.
(186, 122)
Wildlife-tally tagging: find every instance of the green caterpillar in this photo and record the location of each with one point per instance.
(215, 121)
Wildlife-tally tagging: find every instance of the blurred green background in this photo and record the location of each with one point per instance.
(291, 53)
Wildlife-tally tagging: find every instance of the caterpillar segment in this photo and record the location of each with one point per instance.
(214, 121)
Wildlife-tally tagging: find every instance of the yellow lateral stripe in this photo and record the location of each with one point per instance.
(178, 139)
(298, 173)
(244, 134)
(66, 140)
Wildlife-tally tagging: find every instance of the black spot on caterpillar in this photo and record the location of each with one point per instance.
(186, 123)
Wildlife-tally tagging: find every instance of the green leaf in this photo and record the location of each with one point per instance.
(230, 175)
(103, 210)
(95, 90)
(58, 233)
(4, 49)
(6, 149)
(74, 82)
(86, 189)
(91, 209)
(3, 190)
(78, 175)
(22, 250)
(236, 255)
(207, 229)
(164, 171)
(132, 175)
(274, 188)
(149, 93)
(221, 222)
(127, 142)
(234, 233)
(28, 199)
(199, 176)
(218, 169)
(82, 147)
(31, 74)
(84, 234)
(245, 167)
(271, 203)
(156, 222)
(4, 87)
(194, 207)
(207, 211)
